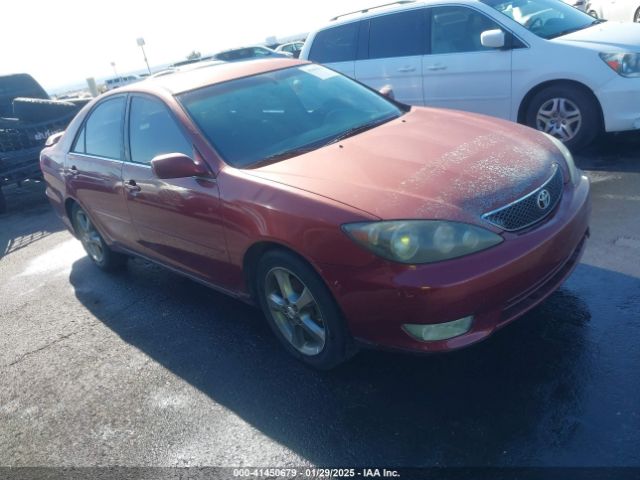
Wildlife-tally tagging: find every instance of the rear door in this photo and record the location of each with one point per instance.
(337, 47)
(177, 220)
(459, 72)
(393, 56)
(93, 169)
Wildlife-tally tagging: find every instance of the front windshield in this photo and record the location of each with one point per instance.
(546, 18)
(275, 115)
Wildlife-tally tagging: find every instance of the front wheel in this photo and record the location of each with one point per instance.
(93, 243)
(568, 113)
(301, 311)
(636, 16)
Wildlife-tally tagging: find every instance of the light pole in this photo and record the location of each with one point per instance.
(113, 64)
(141, 45)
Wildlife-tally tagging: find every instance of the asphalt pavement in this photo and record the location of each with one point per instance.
(146, 367)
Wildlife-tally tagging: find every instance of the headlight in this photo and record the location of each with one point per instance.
(421, 241)
(574, 173)
(625, 64)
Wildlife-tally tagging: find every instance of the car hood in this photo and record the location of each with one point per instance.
(429, 163)
(607, 36)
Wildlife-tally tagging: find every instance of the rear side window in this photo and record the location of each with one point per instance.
(397, 35)
(458, 29)
(79, 144)
(153, 131)
(337, 44)
(103, 129)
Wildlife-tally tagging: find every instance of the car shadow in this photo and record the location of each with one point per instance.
(516, 398)
(29, 217)
(612, 152)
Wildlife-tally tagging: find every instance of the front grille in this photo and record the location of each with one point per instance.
(531, 208)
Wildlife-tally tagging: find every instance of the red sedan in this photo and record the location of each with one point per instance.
(349, 218)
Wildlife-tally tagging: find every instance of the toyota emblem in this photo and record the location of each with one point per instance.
(544, 199)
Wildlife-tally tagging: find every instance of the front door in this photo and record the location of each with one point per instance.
(459, 72)
(177, 220)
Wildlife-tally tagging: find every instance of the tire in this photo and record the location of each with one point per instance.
(636, 16)
(93, 243)
(40, 110)
(318, 309)
(566, 112)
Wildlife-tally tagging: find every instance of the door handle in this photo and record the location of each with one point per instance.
(74, 170)
(132, 186)
(437, 66)
(407, 69)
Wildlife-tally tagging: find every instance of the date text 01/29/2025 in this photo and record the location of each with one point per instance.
(316, 472)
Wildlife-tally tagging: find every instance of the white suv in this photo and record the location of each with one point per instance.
(539, 62)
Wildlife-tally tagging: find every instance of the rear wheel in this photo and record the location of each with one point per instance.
(93, 243)
(636, 17)
(301, 311)
(568, 113)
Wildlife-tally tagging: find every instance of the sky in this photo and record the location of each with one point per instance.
(63, 42)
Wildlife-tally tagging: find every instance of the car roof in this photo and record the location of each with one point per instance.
(184, 81)
(383, 9)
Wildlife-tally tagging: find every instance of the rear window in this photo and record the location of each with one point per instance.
(337, 44)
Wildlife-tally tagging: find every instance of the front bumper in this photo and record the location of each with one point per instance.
(620, 102)
(495, 286)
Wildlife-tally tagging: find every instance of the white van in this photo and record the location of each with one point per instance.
(538, 62)
(116, 82)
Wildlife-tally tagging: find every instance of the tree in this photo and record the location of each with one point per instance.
(194, 55)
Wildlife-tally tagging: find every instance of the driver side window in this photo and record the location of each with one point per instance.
(153, 131)
(458, 30)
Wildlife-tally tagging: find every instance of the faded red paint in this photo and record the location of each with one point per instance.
(426, 164)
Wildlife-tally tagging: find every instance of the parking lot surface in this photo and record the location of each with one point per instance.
(146, 367)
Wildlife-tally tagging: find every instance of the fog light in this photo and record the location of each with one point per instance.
(439, 331)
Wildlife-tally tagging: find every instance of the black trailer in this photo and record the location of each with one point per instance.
(27, 118)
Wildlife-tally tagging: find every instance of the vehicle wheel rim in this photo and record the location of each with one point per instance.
(559, 117)
(636, 17)
(89, 237)
(295, 311)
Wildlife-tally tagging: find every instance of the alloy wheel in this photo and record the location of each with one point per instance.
(89, 237)
(559, 117)
(295, 311)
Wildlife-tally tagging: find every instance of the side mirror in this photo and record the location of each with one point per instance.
(387, 91)
(492, 38)
(177, 165)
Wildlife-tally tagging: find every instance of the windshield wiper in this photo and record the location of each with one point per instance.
(360, 128)
(571, 30)
(276, 157)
